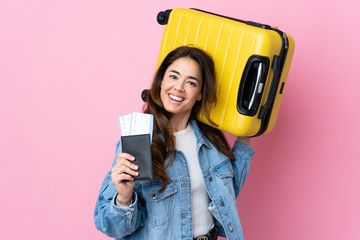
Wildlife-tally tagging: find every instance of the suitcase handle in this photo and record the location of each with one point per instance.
(252, 85)
(276, 66)
(258, 86)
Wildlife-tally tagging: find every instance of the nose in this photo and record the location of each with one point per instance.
(179, 86)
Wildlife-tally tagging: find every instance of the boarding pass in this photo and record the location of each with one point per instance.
(136, 123)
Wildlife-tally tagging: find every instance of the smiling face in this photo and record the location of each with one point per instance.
(181, 88)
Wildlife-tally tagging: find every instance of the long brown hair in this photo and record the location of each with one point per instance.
(163, 141)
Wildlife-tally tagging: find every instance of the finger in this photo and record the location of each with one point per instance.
(119, 178)
(125, 177)
(125, 162)
(125, 169)
(127, 156)
(117, 170)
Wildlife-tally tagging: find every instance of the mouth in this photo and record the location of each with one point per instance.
(176, 98)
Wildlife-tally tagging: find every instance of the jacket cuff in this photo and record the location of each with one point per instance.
(120, 210)
(243, 150)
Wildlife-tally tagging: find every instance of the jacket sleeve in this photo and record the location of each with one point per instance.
(116, 221)
(241, 164)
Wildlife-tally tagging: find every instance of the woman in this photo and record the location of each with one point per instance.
(198, 176)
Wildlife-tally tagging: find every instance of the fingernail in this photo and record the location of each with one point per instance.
(136, 167)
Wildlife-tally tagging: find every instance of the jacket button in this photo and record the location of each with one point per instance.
(230, 229)
(222, 203)
(210, 178)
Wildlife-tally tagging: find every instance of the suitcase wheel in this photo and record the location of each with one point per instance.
(163, 17)
(144, 94)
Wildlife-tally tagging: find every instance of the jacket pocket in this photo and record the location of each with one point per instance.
(159, 206)
(225, 173)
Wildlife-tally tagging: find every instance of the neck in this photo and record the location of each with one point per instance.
(179, 123)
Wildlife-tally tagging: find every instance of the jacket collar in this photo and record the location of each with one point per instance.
(201, 139)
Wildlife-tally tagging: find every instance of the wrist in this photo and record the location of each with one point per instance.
(123, 201)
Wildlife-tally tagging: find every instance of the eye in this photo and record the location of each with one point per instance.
(191, 83)
(173, 77)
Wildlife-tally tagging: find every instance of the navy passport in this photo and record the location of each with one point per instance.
(139, 146)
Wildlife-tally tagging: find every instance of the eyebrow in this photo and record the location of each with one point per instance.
(190, 77)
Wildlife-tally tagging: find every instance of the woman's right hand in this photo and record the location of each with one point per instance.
(121, 177)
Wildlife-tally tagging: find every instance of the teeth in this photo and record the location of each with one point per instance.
(179, 99)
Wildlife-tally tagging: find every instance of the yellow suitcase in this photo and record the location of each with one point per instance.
(252, 62)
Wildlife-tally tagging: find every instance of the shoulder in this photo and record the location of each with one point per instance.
(200, 136)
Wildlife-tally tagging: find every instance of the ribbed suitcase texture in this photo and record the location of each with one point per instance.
(249, 60)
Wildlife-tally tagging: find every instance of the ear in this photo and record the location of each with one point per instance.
(199, 97)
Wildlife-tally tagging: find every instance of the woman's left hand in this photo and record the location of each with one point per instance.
(244, 140)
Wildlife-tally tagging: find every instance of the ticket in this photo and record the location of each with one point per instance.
(136, 124)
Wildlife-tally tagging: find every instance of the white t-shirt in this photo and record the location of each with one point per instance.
(202, 219)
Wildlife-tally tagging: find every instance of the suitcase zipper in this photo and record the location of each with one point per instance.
(286, 43)
(278, 65)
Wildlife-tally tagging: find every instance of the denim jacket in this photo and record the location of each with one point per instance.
(167, 215)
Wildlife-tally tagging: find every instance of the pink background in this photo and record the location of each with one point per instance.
(69, 68)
